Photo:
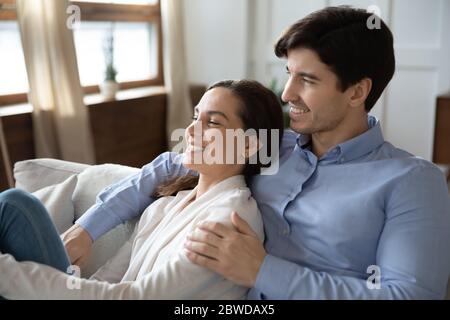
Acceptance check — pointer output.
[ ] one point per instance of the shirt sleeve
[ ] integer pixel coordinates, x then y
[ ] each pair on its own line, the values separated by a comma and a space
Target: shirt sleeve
129, 197
412, 255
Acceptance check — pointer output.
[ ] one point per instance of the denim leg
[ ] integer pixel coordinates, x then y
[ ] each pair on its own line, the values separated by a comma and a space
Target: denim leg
27, 231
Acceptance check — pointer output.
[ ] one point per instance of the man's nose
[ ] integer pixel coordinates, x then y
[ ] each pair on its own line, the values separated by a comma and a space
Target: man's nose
290, 92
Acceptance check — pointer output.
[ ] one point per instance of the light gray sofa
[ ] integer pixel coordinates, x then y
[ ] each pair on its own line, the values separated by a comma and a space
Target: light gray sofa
67, 190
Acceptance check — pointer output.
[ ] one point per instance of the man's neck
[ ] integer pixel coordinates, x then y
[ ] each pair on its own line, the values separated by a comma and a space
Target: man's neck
349, 128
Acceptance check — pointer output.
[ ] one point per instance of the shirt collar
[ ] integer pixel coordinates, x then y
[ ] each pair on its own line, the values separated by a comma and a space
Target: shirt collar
355, 147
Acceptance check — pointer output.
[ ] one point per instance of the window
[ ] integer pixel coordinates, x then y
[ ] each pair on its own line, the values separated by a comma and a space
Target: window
136, 27
13, 75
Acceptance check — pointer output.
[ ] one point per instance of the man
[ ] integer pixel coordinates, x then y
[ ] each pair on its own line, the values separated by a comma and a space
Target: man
348, 215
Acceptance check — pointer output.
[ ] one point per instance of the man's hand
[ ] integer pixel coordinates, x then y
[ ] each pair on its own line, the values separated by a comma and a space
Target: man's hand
78, 244
235, 254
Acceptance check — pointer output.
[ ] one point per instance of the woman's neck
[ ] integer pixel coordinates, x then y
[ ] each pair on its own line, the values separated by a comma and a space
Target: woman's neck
206, 182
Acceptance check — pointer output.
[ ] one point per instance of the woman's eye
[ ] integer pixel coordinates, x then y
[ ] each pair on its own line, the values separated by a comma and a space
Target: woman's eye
213, 123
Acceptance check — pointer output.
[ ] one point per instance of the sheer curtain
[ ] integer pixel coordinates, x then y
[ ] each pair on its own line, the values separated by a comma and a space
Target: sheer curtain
180, 108
60, 118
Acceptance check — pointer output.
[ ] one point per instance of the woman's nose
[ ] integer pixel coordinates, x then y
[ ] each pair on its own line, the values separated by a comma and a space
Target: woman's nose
195, 129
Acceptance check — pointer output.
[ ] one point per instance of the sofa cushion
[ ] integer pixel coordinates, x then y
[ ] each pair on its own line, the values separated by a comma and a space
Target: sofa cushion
32, 175
67, 190
57, 199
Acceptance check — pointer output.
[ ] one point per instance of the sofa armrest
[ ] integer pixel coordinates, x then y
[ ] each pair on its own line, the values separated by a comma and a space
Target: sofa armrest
35, 174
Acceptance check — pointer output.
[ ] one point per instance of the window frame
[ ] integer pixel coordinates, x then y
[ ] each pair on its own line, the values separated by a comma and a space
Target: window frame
103, 12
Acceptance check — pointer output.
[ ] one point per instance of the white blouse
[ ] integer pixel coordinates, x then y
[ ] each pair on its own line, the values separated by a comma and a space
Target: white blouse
152, 264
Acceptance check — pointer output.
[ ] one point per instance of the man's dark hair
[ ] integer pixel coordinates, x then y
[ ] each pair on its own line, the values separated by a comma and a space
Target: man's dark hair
342, 39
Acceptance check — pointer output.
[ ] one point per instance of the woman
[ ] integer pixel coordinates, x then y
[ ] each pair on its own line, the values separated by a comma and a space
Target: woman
152, 264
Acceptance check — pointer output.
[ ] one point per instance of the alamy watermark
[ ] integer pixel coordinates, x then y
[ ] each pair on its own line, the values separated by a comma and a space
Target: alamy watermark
374, 280
73, 21
236, 146
73, 282
374, 21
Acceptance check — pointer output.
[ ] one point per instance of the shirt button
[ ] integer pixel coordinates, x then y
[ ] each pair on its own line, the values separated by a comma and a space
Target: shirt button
285, 232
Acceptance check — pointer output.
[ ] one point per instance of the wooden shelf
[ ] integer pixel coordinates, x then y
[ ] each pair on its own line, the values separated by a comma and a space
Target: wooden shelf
441, 150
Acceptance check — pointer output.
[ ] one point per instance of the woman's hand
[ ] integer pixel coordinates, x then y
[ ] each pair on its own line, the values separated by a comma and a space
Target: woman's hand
236, 254
78, 244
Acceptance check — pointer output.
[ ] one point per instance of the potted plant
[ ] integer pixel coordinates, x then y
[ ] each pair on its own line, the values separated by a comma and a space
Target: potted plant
109, 86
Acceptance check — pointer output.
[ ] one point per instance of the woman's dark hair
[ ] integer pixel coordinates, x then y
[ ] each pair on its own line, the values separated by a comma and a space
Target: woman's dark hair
260, 109
347, 41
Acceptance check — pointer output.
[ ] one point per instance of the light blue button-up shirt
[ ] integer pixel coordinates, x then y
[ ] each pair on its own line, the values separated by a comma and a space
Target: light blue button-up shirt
365, 221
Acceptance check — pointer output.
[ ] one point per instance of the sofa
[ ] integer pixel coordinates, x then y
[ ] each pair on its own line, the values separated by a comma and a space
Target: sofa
68, 189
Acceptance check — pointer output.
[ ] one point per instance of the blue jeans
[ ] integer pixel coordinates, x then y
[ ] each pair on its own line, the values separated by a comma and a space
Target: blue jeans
27, 231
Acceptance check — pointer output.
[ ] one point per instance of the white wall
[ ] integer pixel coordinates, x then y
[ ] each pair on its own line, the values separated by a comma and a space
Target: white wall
423, 51
216, 34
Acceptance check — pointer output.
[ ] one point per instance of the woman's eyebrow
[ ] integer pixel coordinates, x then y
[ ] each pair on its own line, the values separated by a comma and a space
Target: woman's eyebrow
211, 113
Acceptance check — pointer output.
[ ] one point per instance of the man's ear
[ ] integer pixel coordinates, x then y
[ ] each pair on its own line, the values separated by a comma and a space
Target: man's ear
360, 91
252, 145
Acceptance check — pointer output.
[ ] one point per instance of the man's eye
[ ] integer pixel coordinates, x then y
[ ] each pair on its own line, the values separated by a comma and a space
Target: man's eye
195, 118
213, 123
307, 81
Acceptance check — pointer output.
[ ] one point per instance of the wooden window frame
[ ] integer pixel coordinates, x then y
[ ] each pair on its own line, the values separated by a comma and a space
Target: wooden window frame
96, 11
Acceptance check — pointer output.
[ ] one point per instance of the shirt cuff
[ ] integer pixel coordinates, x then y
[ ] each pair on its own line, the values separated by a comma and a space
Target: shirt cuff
275, 277
97, 221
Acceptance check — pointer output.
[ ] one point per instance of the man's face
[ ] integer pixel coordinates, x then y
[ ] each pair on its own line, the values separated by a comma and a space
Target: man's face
312, 91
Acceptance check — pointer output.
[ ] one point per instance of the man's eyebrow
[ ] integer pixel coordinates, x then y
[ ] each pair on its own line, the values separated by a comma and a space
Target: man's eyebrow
306, 75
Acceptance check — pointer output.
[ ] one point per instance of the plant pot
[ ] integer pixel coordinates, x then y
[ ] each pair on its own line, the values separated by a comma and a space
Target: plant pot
108, 89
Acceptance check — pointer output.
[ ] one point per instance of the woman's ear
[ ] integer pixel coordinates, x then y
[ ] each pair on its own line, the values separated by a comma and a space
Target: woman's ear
252, 145
360, 92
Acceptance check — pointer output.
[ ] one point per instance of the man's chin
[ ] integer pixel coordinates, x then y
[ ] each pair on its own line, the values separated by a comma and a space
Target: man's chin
300, 130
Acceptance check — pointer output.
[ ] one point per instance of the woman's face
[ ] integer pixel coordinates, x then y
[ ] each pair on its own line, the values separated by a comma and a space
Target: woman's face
212, 137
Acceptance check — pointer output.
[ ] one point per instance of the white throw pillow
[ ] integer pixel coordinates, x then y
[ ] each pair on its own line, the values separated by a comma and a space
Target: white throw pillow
35, 174
57, 199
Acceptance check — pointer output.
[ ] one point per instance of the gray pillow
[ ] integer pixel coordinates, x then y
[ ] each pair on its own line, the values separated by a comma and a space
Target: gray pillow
57, 199
32, 175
